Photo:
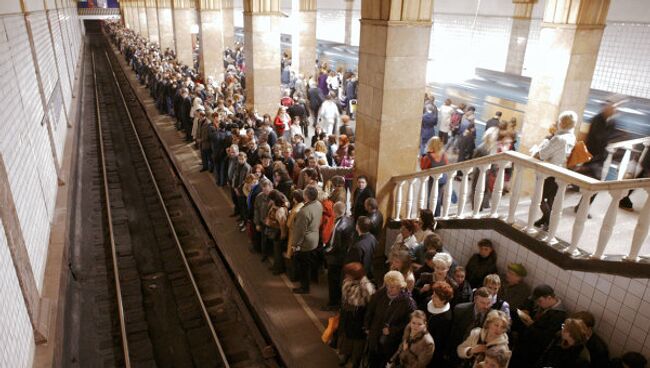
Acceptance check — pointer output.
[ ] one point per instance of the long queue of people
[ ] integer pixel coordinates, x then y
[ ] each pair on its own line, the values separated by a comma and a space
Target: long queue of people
408, 305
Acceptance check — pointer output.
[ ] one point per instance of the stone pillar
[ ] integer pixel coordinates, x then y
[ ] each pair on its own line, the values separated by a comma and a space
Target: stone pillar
519, 35
394, 36
349, 4
142, 17
211, 38
165, 24
262, 50
183, 21
570, 39
128, 12
135, 16
304, 55
228, 21
152, 20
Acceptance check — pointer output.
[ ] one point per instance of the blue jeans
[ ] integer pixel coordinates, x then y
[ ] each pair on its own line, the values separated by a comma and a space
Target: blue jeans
206, 159
220, 172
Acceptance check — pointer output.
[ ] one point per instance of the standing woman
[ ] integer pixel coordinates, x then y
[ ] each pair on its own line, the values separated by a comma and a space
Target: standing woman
298, 202
356, 293
555, 150
387, 316
276, 221
417, 345
439, 320
281, 123
435, 157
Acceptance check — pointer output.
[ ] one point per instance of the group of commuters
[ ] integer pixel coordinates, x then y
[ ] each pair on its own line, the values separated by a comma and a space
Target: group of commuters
409, 304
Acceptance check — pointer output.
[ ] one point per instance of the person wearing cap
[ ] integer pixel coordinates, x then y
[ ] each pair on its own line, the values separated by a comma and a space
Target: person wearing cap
539, 325
515, 291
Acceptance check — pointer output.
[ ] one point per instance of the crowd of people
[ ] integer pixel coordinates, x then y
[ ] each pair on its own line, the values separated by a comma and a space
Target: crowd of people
409, 304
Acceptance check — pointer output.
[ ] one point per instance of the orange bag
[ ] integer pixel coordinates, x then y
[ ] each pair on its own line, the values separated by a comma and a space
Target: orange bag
332, 326
579, 155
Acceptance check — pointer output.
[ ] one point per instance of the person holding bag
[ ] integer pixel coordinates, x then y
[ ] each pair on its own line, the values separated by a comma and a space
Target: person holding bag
417, 345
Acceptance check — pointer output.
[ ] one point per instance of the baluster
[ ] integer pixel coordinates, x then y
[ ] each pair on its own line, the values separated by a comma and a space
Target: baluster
398, 199
409, 198
498, 190
433, 196
640, 231
556, 213
607, 164
608, 223
479, 190
462, 196
622, 167
449, 188
533, 211
423, 194
579, 224
518, 172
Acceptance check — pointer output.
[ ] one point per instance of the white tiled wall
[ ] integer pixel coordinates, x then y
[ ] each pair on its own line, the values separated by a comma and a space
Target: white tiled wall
621, 305
16, 339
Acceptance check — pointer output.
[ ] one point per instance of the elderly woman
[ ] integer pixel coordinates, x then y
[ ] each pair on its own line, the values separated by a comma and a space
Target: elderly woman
356, 293
401, 261
405, 240
480, 339
439, 313
568, 349
555, 149
387, 316
417, 345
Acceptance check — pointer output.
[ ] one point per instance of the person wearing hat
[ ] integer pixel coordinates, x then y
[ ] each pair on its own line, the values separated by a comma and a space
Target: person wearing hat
539, 325
515, 291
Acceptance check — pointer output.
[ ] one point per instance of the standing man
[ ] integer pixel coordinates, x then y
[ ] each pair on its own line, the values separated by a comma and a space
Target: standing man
363, 250
328, 115
494, 121
335, 251
445, 121
306, 237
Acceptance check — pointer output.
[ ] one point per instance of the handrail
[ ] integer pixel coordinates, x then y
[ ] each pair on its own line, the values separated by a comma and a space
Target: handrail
628, 146
629, 143
517, 158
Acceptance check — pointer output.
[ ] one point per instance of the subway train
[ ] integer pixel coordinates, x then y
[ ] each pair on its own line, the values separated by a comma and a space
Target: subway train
490, 91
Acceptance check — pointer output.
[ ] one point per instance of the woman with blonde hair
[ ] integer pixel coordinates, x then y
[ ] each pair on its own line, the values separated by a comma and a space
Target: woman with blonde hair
435, 157
320, 151
555, 149
417, 345
387, 316
480, 339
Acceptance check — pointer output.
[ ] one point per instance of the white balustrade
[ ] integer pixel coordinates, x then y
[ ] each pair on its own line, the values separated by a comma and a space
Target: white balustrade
448, 192
409, 198
533, 211
579, 223
497, 192
607, 164
423, 194
462, 195
556, 213
640, 231
433, 196
398, 200
518, 172
609, 221
622, 167
479, 190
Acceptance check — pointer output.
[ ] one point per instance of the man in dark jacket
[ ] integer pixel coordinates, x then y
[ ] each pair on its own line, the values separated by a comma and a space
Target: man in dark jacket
305, 234
221, 140
335, 252
359, 197
537, 328
494, 121
363, 249
598, 350
468, 316
375, 216
315, 99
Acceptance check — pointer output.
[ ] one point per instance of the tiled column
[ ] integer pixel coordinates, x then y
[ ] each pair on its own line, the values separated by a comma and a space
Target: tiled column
570, 39
165, 24
304, 55
211, 50
228, 20
349, 4
183, 21
142, 17
262, 50
519, 35
394, 34
152, 20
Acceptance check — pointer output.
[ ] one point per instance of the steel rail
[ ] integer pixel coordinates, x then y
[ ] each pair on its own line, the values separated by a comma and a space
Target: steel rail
169, 220
109, 215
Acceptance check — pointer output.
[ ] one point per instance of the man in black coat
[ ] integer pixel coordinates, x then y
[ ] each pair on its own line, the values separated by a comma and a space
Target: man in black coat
363, 249
598, 350
335, 252
468, 316
359, 197
539, 326
375, 216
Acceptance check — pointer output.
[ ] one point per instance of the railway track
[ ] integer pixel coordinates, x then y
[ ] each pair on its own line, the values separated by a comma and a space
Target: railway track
175, 301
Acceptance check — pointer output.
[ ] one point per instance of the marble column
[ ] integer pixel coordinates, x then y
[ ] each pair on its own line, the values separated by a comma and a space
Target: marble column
519, 35
394, 38
142, 17
571, 34
228, 21
152, 20
349, 5
183, 14
165, 24
210, 29
304, 56
262, 50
